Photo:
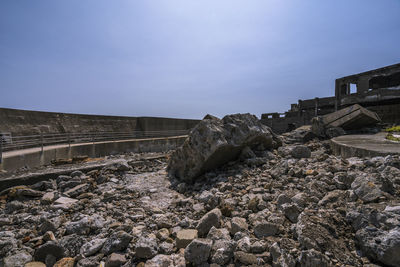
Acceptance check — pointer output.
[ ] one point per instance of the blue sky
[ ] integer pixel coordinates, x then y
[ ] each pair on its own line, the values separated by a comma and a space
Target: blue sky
186, 58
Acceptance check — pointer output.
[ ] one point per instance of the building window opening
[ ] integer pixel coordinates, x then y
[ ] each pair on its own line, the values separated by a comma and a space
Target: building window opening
353, 88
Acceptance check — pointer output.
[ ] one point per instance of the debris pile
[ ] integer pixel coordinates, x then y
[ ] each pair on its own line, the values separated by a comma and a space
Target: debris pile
296, 205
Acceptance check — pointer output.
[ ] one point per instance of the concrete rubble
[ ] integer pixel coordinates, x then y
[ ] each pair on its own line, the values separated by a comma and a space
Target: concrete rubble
336, 123
214, 142
296, 205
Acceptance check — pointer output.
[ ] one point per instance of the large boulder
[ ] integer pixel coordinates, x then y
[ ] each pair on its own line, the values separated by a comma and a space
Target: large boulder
214, 142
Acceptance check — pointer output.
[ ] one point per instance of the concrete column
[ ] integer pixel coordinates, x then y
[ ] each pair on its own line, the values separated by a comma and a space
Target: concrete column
363, 85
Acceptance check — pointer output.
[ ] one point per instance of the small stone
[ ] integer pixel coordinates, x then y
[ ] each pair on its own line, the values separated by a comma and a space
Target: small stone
366, 189
17, 259
300, 151
246, 258
115, 260
198, 251
282, 199
77, 190
81, 227
166, 248
116, 242
218, 233
222, 251
291, 211
49, 236
212, 218
163, 234
264, 229
313, 258
65, 262
159, 261
64, 202
35, 264
92, 247
49, 249
184, 237
48, 198
253, 204
146, 247
238, 225
76, 173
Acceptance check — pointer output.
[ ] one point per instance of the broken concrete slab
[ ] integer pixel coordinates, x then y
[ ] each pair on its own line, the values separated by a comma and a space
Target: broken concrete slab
350, 118
214, 142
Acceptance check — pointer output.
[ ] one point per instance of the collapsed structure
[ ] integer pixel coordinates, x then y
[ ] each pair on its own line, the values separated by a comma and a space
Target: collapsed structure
377, 90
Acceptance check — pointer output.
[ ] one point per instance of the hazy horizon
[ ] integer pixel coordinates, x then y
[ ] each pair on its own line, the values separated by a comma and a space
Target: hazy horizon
185, 59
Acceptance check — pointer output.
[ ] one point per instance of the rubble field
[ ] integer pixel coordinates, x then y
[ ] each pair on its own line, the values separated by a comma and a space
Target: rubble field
292, 205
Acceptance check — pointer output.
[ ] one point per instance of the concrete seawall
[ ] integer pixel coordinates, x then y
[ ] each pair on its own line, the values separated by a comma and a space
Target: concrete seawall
27, 122
35, 157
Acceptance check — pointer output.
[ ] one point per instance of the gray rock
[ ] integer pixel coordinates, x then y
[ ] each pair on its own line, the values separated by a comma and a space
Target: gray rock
382, 246
214, 142
49, 250
48, 197
210, 219
49, 225
300, 151
282, 199
120, 165
65, 185
77, 190
63, 178
76, 173
146, 247
264, 229
64, 202
246, 258
115, 260
238, 225
92, 247
313, 258
81, 227
291, 211
184, 237
166, 248
93, 261
281, 257
222, 251
198, 251
72, 244
244, 244
160, 261
7, 242
118, 241
18, 258
13, 206
366, 189
218, 233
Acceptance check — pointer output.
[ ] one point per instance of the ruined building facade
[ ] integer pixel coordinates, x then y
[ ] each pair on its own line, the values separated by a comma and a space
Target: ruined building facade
378, 90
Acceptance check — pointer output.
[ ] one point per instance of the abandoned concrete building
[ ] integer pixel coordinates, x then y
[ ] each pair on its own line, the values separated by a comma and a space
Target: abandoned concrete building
378, 90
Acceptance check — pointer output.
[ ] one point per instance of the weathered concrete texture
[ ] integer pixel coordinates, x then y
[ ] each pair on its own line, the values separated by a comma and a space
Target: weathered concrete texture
27, 122
364, 146
33, 157
377, 90
350, 118
214, 142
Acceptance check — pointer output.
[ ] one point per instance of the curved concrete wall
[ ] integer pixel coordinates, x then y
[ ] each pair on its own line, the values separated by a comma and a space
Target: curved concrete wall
26, 122
35, 157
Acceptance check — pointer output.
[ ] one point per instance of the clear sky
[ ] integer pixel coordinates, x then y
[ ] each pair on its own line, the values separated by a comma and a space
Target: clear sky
187, 58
